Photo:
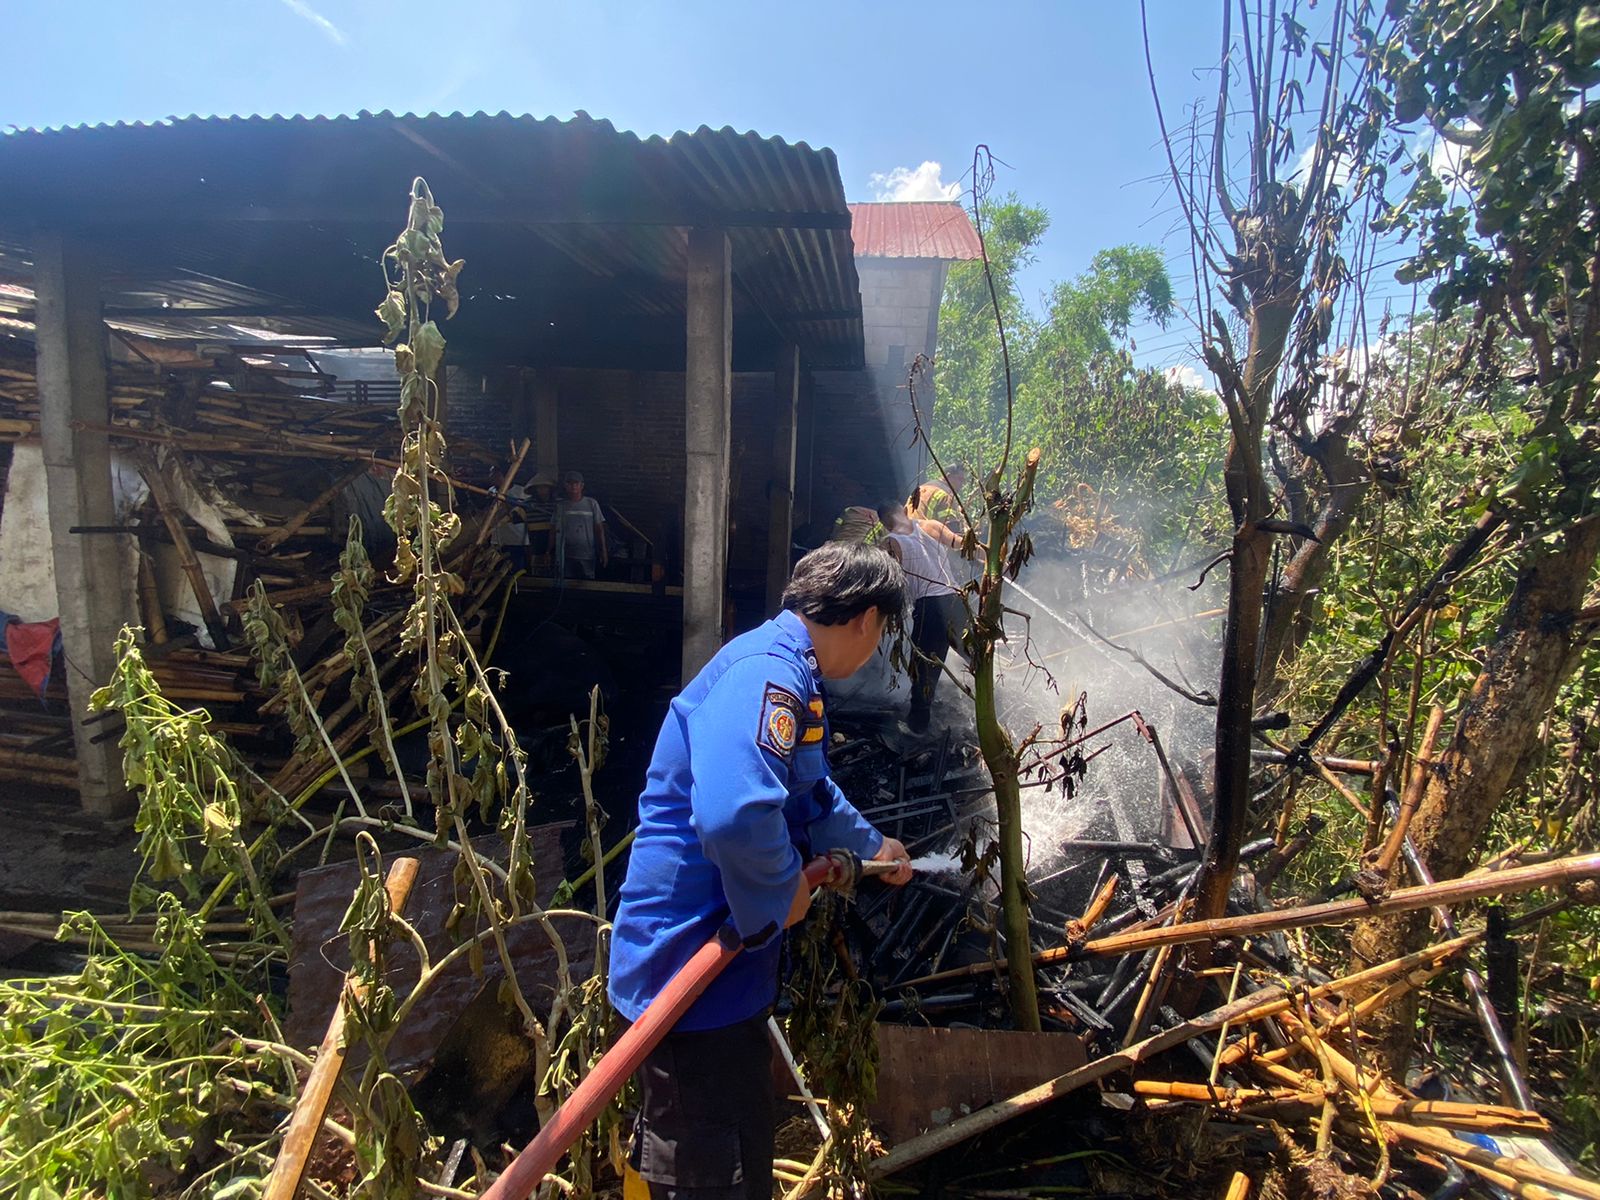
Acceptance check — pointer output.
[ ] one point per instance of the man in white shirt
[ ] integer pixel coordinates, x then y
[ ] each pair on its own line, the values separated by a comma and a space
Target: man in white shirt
581, 527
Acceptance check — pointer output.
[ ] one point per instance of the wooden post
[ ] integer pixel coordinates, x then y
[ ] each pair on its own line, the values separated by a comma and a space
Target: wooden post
708, 384
90, 588
780, 506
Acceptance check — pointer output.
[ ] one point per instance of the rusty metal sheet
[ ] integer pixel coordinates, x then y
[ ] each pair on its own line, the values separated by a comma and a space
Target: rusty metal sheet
320, 954
914, 229
929, 1077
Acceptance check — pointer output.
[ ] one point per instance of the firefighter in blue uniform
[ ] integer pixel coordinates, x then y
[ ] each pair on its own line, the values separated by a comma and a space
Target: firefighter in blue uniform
738, 795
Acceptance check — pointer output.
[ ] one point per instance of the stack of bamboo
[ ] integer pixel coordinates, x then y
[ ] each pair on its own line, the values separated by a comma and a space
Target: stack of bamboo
280, 445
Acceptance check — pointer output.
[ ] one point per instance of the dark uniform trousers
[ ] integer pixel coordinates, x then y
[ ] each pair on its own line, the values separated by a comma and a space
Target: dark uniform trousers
707, 1115
936, 624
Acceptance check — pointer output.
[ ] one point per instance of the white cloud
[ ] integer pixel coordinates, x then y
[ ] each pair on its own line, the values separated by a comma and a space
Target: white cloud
1447, 159
301, 9
1186, 376
908, 183
1302, 168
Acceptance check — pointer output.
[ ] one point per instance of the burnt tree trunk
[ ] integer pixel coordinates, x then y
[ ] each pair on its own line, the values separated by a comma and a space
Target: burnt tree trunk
1536, 646
1287, 623
1250, 556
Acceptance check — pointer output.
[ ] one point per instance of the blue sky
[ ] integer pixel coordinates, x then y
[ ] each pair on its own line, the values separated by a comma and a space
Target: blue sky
1057, 90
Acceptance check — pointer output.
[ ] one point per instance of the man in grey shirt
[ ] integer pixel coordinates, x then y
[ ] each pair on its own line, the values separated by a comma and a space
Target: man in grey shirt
581, 526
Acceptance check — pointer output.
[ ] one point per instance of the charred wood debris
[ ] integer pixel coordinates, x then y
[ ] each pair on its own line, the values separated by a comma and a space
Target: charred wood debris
1272, 1071
1271, 1083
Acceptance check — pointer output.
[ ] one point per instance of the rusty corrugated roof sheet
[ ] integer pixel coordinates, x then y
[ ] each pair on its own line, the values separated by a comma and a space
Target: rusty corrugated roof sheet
573, 231
914, 229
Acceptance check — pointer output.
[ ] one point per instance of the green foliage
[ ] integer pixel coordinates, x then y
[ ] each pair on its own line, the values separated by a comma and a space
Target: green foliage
107, 1076
1142, 442
831, 1032
1506, 222
1444, 429
191, 805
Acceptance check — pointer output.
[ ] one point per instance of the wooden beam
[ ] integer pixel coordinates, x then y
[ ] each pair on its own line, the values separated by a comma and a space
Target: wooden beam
172, 516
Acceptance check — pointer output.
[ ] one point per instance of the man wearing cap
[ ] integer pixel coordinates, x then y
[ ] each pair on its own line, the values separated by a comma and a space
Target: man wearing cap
539, 509
511, 535
580, 528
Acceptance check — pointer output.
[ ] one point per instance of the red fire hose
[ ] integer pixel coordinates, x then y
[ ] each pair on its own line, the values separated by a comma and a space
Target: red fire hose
622, 1060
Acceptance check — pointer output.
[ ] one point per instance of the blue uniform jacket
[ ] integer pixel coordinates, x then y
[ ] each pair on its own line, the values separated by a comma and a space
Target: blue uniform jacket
738, 790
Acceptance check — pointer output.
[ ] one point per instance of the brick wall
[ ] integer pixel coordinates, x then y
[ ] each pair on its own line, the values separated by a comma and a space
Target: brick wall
490, 407
899, 302
625, 431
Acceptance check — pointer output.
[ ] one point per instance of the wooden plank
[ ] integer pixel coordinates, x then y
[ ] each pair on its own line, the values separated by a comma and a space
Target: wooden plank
928, 1076
306, 1120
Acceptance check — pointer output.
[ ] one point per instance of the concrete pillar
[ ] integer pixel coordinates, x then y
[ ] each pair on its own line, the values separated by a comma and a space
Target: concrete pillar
780, 495
546, 444
72, 388
708, 394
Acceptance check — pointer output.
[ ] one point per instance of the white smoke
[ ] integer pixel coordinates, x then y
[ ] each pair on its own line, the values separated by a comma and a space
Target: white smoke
1052, 657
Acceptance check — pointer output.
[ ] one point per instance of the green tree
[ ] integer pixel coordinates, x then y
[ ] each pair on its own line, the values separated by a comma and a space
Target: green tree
1507, 220
1101, 420
1276, 263
969, 416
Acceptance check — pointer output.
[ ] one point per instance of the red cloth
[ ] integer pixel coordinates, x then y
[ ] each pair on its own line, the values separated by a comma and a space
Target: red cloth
31, 645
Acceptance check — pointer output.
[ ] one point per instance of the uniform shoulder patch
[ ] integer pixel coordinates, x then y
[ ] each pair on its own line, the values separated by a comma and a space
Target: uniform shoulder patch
780, 720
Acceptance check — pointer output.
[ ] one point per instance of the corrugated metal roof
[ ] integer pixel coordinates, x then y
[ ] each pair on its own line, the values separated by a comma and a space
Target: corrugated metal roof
573, 231
914, 229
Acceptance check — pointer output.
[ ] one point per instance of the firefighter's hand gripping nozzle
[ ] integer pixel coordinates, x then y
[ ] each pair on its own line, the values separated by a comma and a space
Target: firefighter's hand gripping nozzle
844, 870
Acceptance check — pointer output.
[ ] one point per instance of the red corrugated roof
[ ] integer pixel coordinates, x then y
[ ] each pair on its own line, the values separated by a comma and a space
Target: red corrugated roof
913, 230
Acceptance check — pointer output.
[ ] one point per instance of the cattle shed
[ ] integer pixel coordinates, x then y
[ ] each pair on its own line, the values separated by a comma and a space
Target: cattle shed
680, 318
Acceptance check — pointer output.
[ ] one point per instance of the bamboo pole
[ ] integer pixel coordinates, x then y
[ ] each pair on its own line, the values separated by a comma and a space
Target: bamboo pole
1511, 1078
297, 522
155, 620
1467, 1153
306, 1119
1416, 784
293, 446
1454, 891
1079, 929
497, 508
1238, 1187
45, 764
